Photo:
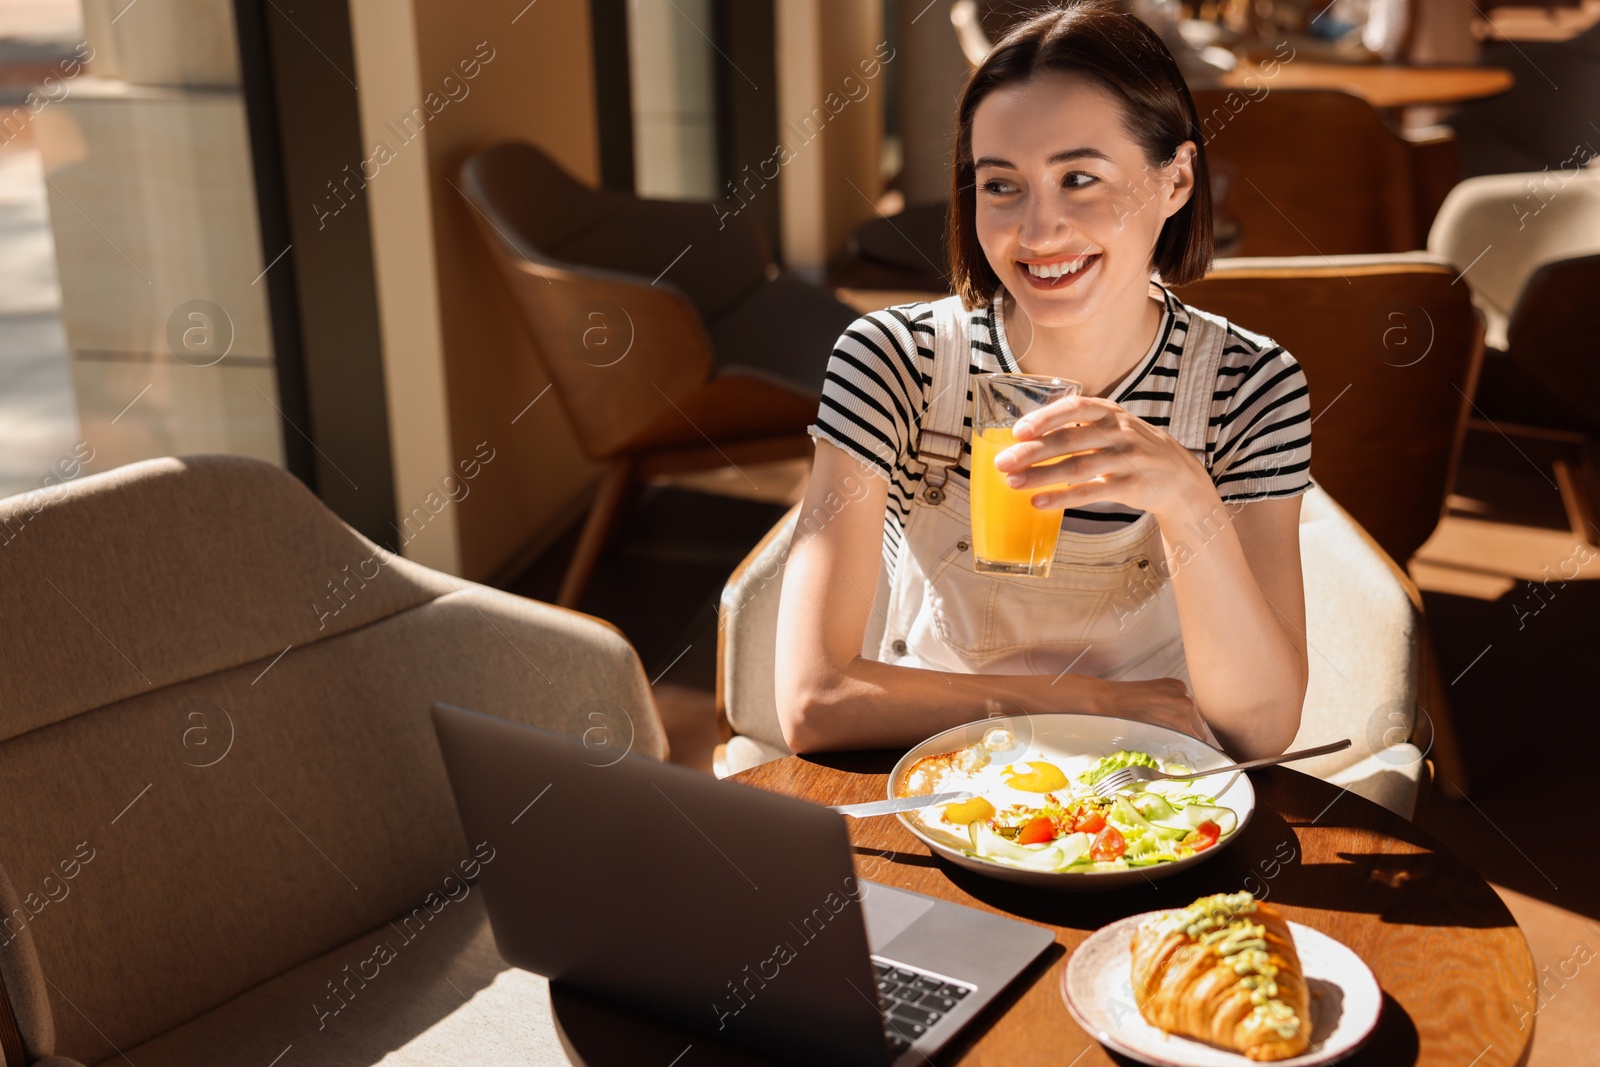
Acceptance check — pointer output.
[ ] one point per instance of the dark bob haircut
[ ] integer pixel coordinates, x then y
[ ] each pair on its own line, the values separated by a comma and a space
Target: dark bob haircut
1097, 40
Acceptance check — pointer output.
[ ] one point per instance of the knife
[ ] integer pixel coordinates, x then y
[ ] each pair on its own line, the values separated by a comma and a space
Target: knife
889, 807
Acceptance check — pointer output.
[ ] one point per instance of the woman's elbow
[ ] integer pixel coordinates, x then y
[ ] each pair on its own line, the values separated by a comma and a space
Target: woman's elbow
803, 718
797, 719
1286, 725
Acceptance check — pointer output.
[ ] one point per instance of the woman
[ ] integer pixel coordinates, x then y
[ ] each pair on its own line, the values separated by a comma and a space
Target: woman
1176, 595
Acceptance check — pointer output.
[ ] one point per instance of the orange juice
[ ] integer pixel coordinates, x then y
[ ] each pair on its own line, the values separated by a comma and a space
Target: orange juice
1008, 532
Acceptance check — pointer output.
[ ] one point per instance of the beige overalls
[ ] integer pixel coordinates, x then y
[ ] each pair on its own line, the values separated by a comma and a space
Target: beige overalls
1106, 608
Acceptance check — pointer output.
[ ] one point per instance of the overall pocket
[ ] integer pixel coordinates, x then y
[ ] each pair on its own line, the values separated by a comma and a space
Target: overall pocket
986, 615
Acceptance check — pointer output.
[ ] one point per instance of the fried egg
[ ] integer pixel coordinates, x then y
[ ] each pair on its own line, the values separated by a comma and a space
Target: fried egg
1029, 782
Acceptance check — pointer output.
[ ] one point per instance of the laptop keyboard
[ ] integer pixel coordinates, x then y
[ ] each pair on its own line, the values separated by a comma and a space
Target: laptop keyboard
912, 1001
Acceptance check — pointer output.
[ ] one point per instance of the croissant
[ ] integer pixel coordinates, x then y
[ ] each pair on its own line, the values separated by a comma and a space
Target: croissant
1224, 971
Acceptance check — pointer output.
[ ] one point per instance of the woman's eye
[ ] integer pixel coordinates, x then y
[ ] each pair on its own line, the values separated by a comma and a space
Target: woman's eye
1079, 179
996, 187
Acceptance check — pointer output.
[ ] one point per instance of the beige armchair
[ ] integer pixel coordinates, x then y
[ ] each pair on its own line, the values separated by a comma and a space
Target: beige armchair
1363, 625
230, 838
1500, 228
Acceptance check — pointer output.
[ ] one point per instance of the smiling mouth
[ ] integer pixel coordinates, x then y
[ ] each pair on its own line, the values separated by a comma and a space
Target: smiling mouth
1059, 273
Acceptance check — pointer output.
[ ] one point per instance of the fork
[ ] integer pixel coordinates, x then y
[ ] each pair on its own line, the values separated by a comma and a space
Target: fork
1113, 783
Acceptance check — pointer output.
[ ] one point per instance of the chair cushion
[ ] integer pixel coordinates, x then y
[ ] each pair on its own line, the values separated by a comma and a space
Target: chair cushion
422, 992
784, 332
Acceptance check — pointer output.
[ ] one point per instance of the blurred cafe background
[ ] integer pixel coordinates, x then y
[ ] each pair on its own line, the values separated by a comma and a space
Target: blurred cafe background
387, 245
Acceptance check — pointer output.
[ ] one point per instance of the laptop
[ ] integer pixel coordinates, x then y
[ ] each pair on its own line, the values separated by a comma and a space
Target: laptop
712, 904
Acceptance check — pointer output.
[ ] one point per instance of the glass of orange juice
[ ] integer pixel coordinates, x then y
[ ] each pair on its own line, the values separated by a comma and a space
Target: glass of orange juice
1009, 534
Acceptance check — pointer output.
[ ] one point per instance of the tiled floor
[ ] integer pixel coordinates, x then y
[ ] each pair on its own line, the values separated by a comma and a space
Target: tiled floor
1518, 662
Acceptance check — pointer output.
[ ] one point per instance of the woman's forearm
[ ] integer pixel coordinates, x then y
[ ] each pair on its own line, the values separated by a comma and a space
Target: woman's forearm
868, 704
1246, 657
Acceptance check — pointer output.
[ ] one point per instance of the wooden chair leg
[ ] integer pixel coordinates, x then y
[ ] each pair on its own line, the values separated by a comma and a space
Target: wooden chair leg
1443, 744
614, 485
1579, 479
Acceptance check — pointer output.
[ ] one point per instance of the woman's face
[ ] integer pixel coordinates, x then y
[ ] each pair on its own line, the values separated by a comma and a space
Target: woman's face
1068, 207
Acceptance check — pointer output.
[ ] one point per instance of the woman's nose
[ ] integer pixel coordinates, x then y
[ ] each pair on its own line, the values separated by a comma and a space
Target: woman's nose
1045, 227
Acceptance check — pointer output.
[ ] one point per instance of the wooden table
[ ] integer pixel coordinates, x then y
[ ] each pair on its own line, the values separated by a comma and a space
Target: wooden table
1456, 972
1381, 86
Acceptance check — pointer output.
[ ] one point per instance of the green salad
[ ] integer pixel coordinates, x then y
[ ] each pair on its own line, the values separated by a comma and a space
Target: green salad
1145, 824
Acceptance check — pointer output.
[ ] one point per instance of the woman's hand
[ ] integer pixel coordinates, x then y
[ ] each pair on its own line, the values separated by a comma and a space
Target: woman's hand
1111, 454
1159, 701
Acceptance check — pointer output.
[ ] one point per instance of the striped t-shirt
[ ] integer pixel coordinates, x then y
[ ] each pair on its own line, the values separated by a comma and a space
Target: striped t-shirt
873, 398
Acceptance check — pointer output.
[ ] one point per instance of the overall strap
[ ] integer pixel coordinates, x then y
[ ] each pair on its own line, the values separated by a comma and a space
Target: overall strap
1197, 380
939, 436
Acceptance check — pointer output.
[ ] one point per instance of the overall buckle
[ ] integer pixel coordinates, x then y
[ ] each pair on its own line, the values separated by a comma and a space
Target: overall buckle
943, 455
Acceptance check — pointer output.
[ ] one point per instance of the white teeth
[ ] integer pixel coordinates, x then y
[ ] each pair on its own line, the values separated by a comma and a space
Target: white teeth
1056, 270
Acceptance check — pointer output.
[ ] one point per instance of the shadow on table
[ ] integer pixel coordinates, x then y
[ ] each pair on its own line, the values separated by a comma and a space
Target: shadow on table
597, 1032
912, 859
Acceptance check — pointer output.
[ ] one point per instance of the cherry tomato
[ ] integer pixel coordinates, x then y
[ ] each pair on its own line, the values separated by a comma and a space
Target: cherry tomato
1202, 837
1108, 845
1091, 823
1039, 828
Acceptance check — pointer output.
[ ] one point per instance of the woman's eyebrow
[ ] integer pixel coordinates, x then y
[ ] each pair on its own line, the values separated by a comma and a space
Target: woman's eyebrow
1066, 156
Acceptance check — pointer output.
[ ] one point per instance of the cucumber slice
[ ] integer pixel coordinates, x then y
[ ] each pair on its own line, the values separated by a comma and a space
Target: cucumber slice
991, 846
1154, 806
1125, 817
1150, 859
1190, 817
1074, 849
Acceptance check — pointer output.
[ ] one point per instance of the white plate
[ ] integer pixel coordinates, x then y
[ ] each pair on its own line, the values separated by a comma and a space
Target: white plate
1097, 985
1074, 743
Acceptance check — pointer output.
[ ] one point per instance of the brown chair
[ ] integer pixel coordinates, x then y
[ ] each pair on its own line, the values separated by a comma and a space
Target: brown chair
1319, 172
671, 341
229, 829
1391, 351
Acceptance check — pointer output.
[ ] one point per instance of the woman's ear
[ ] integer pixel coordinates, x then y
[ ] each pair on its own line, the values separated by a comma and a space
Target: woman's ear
1181, 173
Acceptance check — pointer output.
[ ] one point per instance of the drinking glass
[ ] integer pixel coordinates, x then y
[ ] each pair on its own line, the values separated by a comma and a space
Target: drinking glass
1009, 534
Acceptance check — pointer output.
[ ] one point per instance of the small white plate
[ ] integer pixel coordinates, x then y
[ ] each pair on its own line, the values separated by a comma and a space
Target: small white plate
1075, 743
1097, 985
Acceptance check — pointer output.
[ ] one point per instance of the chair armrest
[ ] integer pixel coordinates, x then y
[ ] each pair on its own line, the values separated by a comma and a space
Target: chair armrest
586, 679
747, 638
1363, 635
